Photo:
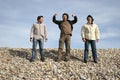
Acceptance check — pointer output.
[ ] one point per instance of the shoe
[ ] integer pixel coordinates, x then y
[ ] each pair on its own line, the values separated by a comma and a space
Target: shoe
85, 61
43, 59
95, 61
66, 60
31, 60
58, 59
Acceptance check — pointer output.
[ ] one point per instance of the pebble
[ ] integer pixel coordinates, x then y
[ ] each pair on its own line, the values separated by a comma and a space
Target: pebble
15, 65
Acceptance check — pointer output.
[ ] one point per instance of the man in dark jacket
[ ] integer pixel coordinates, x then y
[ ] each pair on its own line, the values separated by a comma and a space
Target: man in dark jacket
66, 27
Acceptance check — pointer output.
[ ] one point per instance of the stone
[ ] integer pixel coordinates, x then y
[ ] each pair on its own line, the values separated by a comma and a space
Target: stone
15, 65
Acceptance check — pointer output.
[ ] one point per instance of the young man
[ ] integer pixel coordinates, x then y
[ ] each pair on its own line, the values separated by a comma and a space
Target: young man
38, 34
65, 27
90, 34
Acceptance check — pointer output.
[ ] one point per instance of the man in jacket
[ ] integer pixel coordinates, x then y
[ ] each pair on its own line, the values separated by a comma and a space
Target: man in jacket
38, 34
66, 27
90, 34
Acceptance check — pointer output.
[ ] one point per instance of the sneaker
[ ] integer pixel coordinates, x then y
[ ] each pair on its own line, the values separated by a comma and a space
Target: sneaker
66, 59
58, 59
95, 61
85, 61
43, 59
31, 60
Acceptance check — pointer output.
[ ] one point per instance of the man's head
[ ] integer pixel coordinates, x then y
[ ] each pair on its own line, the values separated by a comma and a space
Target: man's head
65, 16
40, 19
90, 19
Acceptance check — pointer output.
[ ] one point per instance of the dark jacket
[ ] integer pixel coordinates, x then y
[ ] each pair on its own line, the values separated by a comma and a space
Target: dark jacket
59, 22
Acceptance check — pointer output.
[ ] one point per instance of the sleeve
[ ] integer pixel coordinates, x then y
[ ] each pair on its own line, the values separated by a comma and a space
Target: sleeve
56, 21
45, 32
83, 32
75, 20
31, 33
97, 33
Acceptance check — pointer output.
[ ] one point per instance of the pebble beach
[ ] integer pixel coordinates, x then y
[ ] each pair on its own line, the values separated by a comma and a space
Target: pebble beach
15, 65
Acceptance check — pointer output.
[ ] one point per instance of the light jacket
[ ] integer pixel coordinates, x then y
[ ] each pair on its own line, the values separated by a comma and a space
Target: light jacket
90, 32
38, 31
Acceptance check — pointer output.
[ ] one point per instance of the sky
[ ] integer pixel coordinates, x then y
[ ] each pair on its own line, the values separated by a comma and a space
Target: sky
18, 16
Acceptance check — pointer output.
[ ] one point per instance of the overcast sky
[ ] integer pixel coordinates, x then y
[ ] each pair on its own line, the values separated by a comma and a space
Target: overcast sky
18, 16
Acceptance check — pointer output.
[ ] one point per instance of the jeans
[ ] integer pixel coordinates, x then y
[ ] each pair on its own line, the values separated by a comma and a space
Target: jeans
41, 50
93, 46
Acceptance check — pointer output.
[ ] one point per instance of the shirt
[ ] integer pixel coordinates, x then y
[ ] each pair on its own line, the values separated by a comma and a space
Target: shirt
90, 32
38, 31
66, 27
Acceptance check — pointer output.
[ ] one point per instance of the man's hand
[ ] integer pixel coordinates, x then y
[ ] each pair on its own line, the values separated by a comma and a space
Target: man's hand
55, 14
73, 15
84, 40
97, 40
31, 39
46, 39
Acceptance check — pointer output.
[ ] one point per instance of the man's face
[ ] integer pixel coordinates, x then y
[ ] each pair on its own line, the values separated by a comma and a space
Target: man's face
89, 19
40, 20
65, 17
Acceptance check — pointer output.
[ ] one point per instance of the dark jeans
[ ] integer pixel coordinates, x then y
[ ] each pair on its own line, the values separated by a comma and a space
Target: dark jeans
93, 46
41, 50
64, 38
